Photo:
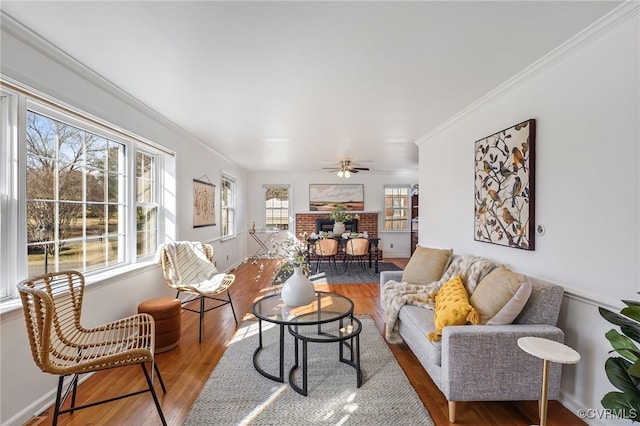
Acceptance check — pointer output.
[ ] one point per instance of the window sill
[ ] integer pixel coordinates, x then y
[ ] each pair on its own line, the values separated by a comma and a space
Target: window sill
102, 278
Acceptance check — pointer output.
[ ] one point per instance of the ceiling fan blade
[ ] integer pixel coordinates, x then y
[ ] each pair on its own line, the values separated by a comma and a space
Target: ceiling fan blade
360, 168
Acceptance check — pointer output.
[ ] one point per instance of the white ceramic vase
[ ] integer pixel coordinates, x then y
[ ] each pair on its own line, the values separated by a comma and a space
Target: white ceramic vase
338, 228
298, 290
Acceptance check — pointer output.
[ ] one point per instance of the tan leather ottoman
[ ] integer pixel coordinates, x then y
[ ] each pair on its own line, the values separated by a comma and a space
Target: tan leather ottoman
166, 314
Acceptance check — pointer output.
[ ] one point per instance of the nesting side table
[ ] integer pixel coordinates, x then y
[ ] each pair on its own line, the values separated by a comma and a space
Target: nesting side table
547, 350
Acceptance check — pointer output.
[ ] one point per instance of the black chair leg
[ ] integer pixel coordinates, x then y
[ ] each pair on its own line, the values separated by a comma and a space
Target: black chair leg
232, 309
153, 394
56, 410
201, 319
157, 370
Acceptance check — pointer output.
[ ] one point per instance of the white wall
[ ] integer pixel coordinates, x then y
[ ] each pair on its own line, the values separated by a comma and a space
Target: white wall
587, 105
393, 244
24, 390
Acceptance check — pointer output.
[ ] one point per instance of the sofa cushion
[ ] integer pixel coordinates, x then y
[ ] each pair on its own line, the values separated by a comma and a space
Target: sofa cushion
452, 307
426, 265
415, 323
500, 296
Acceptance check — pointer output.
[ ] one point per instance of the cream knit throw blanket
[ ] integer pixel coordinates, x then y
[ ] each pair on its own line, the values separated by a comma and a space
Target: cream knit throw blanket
397, 294
188, 263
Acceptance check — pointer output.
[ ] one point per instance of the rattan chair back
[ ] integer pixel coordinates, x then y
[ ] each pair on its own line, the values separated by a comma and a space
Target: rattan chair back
52, 306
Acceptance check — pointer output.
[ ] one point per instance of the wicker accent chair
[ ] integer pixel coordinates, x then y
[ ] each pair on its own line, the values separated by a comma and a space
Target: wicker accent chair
188, 268
60, 345
326, 249
358, 249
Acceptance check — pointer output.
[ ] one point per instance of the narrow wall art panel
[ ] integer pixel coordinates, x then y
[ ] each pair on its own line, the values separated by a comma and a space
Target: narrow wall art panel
504, 187
204, 211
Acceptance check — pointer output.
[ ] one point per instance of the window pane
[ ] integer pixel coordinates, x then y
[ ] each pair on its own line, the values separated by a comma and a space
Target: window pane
95, 217
70, 144
116, 155
41, 136
96, 185
396, 208
40, 178
97, 151
73, 226
112, 218
114, 185
147, 209
96, 253
277, 207
70, 256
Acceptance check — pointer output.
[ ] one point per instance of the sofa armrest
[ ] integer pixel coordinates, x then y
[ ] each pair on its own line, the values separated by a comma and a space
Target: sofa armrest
485, 363
384, 277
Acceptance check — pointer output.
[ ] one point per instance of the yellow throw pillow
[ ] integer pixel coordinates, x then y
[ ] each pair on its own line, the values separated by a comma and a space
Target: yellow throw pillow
426, 265
452, 307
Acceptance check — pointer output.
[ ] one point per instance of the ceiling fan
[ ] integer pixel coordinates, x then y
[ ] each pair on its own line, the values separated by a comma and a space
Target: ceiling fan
346, 169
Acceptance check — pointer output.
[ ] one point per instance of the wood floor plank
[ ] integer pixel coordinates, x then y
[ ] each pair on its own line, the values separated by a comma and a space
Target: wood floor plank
186, 368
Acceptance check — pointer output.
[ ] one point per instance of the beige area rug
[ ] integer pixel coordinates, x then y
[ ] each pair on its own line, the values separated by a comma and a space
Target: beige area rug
236, 394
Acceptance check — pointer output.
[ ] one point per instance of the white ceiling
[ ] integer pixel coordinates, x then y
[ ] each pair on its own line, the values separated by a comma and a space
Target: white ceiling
302, 85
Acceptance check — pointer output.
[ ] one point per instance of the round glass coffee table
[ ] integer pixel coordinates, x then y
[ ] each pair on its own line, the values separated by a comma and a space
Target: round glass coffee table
325, 308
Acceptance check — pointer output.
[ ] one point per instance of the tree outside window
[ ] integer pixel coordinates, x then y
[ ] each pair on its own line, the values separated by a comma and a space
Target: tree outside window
74, 197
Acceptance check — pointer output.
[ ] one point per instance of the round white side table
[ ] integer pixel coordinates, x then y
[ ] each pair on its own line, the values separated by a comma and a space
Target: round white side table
547, 350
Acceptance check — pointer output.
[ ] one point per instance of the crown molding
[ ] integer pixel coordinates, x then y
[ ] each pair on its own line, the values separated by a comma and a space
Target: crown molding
611, 20
13, 27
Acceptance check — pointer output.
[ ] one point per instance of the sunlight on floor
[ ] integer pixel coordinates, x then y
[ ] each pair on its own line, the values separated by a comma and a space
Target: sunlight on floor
250, 330
256, 411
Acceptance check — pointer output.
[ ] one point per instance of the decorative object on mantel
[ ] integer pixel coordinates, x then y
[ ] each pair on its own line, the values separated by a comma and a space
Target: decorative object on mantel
339, 215
327, 197
204, 212
504, 187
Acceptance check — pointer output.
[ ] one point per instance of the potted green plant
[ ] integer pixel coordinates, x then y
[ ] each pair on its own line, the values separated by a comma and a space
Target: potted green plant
623, 371
339, 215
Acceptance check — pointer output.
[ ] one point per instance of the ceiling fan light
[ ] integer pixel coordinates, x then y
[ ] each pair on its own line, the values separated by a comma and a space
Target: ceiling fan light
347, 175
340, 173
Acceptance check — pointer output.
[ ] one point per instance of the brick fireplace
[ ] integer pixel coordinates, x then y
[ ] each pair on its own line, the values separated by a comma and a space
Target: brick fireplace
306, 223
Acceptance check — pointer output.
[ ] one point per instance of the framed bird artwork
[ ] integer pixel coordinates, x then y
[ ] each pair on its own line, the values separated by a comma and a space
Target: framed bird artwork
504, 187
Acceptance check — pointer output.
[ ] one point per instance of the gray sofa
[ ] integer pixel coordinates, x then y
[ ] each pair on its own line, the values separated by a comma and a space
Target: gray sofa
484, 362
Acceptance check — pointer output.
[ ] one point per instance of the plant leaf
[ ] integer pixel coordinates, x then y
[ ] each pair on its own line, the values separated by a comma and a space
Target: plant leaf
631, 332
616, 369
631, 312
617, 319
622, 404
623, 345
634, 372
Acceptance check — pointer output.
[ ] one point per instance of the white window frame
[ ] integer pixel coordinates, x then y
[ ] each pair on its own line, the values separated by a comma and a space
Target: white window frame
407, 208
14, 102
266, 187
232, 208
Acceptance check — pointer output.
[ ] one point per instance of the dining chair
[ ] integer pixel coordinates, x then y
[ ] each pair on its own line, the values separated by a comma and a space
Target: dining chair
326, 248
188, 268
358, 249
60, 345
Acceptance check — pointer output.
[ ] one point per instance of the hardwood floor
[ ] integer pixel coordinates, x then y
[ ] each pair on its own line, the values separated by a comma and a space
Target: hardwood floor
186, 369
